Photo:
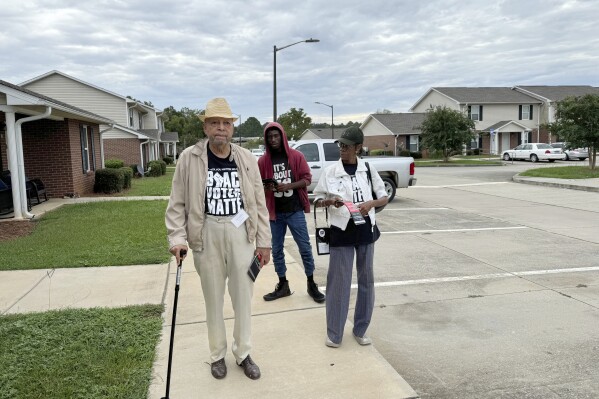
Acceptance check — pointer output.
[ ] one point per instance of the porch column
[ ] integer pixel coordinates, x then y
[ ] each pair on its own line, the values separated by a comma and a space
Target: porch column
11, 143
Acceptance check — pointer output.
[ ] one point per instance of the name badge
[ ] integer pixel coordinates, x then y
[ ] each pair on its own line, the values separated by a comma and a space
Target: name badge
241, 217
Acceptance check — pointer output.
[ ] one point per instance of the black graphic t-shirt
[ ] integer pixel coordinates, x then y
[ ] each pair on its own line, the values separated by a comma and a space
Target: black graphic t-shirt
223, 191
287, 201
353, 235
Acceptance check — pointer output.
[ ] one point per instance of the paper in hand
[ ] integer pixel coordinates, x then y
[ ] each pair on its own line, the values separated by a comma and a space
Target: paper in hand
355, 213
255, 267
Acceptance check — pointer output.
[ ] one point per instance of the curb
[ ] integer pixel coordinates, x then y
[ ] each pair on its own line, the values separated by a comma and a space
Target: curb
536, 182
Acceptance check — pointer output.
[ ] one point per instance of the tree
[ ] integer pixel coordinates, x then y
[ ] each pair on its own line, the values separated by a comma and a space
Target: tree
446, 130
295, 122
577, 123
186, 123
250, 128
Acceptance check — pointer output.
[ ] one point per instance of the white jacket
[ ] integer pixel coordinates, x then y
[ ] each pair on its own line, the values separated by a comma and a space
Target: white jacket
335, 182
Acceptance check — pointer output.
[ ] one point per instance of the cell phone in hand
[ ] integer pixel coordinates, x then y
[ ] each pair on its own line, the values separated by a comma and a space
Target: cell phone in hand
268, 181
255, 267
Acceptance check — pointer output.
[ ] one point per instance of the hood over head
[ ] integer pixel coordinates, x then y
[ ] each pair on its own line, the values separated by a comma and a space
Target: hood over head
284, 141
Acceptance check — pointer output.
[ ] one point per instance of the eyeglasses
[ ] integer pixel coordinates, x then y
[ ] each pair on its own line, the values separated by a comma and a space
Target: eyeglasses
344, 146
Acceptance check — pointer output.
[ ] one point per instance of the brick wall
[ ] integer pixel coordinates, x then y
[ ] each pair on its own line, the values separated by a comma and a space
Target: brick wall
378, 142
126, 150
52, 152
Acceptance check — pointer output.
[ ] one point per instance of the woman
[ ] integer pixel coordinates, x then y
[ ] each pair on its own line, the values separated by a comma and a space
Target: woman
349, 180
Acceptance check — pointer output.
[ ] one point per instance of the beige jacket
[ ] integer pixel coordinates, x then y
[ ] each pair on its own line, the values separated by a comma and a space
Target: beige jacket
185, 212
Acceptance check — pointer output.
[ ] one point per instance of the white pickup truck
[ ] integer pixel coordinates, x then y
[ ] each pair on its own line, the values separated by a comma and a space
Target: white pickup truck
396, 172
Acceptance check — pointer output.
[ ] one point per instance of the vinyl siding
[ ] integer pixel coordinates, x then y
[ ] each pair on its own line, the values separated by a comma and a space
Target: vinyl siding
434, 98
82, 96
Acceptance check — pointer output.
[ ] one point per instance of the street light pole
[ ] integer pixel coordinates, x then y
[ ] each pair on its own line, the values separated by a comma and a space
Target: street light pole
331, 107
274, 82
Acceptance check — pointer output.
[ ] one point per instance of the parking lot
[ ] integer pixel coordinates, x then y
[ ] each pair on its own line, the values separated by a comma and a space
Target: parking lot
487, 288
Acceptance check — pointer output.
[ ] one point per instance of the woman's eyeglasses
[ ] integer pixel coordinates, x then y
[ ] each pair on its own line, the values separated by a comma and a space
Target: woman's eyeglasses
344, 146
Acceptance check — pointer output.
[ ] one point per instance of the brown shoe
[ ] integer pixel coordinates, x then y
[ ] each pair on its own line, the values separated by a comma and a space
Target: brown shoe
250, 368
219, 369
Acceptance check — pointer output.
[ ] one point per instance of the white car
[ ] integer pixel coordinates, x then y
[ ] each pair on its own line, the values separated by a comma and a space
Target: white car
574, 153
534, 152
257, 152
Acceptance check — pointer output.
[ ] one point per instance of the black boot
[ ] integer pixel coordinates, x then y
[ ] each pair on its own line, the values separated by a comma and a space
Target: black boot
314, 293
281, 290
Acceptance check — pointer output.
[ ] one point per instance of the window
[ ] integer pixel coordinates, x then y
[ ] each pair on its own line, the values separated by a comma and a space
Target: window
141, 121
413, 142
331, 151
525, 112
310, 152
130, 117
475, 112
88, 157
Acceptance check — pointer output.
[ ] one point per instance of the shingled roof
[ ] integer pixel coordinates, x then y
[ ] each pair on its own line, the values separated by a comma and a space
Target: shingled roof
486, 95
558, 93
401, 123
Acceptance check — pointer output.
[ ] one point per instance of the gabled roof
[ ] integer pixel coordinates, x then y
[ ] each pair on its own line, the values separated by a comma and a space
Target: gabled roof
485, 95
557, 93
151, 133
55, 72
502, 124
399, 123
56, 104
325, 132
169, 137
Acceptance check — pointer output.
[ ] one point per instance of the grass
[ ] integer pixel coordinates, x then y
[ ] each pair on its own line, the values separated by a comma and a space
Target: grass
150, 186
90, 353
92, 234
563, 172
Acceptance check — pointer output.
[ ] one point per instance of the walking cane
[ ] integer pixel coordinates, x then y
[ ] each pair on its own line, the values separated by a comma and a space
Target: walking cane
182, 253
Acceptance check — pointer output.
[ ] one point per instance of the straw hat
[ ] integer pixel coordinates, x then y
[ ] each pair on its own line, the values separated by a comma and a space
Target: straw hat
217, 108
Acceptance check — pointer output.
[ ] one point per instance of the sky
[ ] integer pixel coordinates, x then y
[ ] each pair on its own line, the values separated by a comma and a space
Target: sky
372, 56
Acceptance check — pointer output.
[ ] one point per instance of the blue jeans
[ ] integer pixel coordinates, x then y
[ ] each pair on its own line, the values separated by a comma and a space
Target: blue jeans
296, 221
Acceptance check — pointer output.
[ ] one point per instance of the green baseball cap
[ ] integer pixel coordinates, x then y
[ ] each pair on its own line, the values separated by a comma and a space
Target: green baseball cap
352, 136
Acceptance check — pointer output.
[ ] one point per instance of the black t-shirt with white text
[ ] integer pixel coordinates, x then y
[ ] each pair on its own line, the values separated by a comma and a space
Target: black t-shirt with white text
287, 201
223, 191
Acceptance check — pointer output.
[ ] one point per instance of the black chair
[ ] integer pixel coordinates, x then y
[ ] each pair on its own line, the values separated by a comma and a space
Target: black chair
37, 188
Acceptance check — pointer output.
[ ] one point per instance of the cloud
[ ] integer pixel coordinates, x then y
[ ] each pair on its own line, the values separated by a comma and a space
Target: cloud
371, 55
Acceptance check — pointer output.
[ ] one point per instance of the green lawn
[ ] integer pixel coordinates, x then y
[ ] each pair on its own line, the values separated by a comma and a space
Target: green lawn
150, 186
92, 234
90, 353
563, 172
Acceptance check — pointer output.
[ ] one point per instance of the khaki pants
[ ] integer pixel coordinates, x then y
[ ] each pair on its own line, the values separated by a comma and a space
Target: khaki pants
227, 254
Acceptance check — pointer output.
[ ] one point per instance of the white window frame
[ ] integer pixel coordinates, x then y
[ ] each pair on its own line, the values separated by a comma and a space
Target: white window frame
526, 111
130, 117
472, 113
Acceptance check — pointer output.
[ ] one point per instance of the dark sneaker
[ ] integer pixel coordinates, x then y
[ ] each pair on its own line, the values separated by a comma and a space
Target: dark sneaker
314, 293
250, 368
281, 290
219, 369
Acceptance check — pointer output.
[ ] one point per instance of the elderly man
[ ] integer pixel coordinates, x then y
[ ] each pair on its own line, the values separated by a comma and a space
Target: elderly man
217, 207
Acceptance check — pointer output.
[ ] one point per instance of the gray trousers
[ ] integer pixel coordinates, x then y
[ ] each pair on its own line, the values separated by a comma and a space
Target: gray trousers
226, 257
341, 264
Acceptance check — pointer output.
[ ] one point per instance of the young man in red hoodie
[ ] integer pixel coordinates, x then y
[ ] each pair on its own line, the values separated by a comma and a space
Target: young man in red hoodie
287, 201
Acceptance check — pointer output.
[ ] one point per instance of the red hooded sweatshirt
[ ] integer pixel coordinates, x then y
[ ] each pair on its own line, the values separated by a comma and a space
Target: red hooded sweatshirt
299, 170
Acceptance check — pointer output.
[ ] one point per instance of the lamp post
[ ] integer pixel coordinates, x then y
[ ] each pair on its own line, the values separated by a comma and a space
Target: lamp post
274, 86
331, 107
238, 128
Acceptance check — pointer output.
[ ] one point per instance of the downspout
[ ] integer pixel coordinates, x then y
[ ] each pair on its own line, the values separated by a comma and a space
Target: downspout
141, 153
102, 142
20, 162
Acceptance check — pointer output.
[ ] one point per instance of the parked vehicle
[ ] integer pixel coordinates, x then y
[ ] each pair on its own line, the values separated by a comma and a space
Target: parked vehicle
572, 153
257, 152
534, 152
396, 172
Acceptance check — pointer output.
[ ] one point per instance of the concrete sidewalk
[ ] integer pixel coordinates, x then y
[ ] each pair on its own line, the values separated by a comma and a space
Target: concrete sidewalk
288, 334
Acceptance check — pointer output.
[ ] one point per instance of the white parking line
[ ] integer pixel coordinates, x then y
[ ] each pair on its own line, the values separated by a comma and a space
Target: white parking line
462, 185
415, 209
443, 231
482, 277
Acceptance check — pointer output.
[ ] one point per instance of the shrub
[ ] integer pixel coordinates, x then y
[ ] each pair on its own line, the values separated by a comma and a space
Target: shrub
379, 152
416, 154
168, 160
109, 181
114, 163
155, 169
128, 175
404, 153
476, 151
162, 167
